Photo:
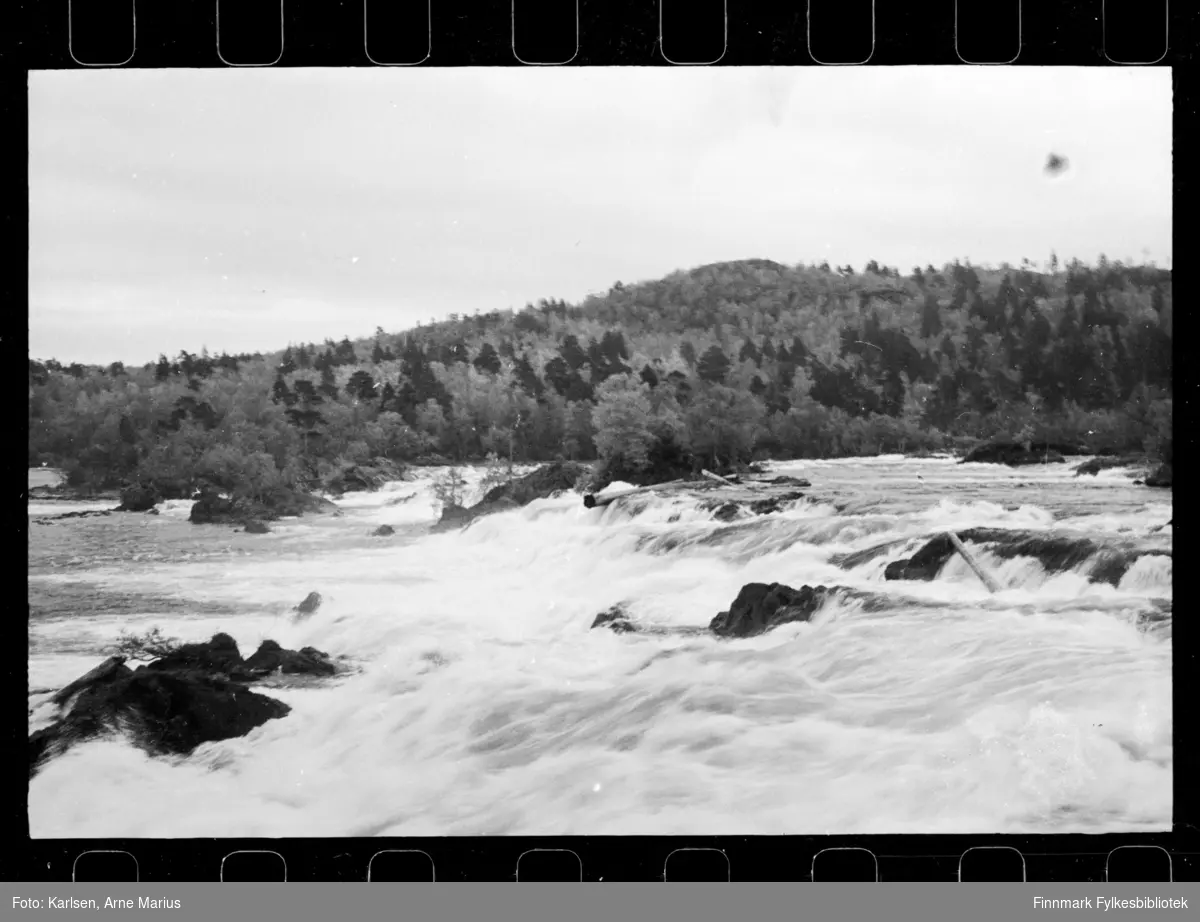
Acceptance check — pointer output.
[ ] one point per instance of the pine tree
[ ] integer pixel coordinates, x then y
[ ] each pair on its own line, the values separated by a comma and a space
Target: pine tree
713, 365
487, 361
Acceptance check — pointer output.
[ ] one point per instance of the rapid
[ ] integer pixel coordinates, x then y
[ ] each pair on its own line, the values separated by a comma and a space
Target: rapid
478, 702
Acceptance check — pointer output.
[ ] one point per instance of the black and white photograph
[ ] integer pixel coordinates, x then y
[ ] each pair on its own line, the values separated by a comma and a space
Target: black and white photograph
608, 451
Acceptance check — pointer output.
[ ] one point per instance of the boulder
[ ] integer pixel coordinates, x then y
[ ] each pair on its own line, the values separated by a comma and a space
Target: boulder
210, 507
774, 503
546, 481
162, 712
255, 527
726, 512
759, 607
271, 657
383, 531
1094, 466
355, 478
219, 656
311, 603
114, 665
1108, 562
138, 498
615, 619
195, 694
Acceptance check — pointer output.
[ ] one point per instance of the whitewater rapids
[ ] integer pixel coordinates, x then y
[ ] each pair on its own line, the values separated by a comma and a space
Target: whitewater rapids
480, 703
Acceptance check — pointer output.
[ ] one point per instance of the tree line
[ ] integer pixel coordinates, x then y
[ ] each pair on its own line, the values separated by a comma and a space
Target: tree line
721, 364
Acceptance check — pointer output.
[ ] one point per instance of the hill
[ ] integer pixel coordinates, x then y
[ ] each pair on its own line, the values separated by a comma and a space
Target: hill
716, 365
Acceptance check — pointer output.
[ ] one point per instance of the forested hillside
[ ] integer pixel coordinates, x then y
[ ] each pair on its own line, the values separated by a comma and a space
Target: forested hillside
723, 363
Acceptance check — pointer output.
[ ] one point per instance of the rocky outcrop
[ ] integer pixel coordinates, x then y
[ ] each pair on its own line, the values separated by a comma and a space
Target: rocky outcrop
546, 481
161, 712
759, 607
616, 619
1016, 454
138, 498
271, 657
774, 503
1056, 552
311, 603
1094, 466
255, 527
210, 507
383, 531
195, 694
726, 512
355, 478
729, 502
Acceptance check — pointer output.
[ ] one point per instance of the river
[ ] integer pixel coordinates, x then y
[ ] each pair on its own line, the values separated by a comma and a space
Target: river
478, 701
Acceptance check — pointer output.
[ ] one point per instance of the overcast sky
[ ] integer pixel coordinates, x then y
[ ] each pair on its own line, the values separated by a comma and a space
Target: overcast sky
248, 207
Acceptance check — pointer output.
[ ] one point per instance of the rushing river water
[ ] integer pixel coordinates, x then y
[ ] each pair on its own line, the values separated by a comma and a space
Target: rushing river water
481, 703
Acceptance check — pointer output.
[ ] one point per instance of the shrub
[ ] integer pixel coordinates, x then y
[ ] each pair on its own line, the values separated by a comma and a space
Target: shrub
450, 488
149, 645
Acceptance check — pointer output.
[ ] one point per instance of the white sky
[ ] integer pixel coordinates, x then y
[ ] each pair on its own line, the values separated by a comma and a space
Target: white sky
245, 208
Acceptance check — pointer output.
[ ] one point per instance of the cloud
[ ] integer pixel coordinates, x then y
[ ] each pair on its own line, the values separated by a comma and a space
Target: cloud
465, 189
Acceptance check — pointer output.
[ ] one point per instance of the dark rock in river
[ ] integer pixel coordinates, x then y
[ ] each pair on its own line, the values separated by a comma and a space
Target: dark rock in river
162, 712
255, 527
1094, 466
196, 694
219, 655
383, 531
1160, 476
138, 498
212, 508
352, 478
726, 512
615, 619
546, 481
270, 656
311, 603
1056, 553
1015, 454
773, 503
760, 607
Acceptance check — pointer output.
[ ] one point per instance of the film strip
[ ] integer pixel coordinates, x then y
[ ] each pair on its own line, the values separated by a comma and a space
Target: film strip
108, 34
288, 33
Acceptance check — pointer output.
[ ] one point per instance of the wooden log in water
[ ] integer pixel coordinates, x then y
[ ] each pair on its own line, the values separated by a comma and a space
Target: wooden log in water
987, 580
592, 500
718, 478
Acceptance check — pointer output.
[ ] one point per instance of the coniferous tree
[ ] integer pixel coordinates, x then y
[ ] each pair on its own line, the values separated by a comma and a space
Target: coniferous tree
487, 361
713, 365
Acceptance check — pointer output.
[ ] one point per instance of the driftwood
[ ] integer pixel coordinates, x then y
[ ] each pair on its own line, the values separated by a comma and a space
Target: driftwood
718, 478
987, 580
592, 500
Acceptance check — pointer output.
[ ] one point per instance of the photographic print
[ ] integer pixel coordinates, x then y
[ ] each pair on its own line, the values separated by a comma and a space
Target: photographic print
610, 451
